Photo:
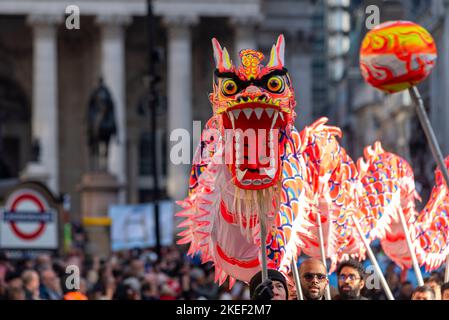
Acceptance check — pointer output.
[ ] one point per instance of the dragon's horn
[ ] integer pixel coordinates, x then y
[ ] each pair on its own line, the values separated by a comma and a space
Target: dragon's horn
277, 54
222, 60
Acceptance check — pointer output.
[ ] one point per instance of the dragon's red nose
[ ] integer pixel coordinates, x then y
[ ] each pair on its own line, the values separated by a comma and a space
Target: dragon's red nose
251, 91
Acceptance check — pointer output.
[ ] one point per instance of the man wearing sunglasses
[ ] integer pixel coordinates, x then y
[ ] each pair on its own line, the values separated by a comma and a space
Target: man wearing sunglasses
350, 280
313, 278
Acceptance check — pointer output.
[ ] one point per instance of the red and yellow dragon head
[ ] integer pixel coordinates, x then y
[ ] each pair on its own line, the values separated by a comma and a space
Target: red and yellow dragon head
255, 104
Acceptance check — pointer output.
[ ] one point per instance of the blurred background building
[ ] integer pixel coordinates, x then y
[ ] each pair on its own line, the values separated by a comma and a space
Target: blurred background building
47, 73
367, 115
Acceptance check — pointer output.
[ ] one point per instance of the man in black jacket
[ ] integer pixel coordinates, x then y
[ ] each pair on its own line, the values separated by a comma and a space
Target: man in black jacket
274, 288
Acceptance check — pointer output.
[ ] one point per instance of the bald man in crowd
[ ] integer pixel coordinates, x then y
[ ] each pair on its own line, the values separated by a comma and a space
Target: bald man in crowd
313, 276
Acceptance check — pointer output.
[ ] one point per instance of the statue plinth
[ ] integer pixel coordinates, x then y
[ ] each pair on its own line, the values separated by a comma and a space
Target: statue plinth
98, 191
35, 171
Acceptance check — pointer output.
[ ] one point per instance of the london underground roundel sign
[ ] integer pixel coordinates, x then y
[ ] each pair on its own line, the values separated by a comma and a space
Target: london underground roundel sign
28, 221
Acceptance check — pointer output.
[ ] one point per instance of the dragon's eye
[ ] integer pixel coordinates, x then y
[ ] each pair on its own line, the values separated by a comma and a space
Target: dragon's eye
275, 84
229, 87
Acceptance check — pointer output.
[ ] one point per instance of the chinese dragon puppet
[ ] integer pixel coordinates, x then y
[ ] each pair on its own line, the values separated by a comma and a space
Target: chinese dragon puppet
254, 167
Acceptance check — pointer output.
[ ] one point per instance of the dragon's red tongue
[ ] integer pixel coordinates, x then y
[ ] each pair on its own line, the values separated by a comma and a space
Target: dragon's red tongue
253, 129
253, 116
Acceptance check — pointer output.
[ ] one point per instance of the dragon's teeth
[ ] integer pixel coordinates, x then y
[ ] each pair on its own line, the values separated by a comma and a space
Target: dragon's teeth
246, 182
258, 112
248, 113
271, 173
236, 113
240, 174
282, 115
231, 116
269, 112
268, 171
274, 119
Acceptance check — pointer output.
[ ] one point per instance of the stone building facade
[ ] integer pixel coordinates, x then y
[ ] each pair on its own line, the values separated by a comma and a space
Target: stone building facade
368, 115
47, 73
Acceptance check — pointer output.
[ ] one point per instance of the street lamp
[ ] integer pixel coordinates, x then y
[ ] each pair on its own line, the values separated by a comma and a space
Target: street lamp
152, 106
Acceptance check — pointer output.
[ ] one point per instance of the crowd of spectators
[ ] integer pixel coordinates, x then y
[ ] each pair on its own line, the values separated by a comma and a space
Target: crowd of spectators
127, 275
140, 275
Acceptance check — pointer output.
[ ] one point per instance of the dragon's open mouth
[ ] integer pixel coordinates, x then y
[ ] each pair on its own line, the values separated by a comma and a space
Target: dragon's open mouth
253, 127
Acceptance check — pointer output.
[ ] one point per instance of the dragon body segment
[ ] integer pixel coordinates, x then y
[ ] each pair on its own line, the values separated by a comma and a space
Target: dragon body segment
253, 167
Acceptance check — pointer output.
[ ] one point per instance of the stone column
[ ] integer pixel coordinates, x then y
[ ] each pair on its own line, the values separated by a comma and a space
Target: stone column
45, 166
179, 48
439, 82
402, 121
300, 67
112, 53
245, 36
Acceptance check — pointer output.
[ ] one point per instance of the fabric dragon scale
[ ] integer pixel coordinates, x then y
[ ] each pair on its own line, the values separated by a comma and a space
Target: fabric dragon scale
253, 167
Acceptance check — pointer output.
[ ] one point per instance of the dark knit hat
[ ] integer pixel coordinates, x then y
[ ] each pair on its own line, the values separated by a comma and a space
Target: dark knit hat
273, 275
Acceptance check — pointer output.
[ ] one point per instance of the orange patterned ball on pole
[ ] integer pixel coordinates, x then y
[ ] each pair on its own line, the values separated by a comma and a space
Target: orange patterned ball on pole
397, 55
